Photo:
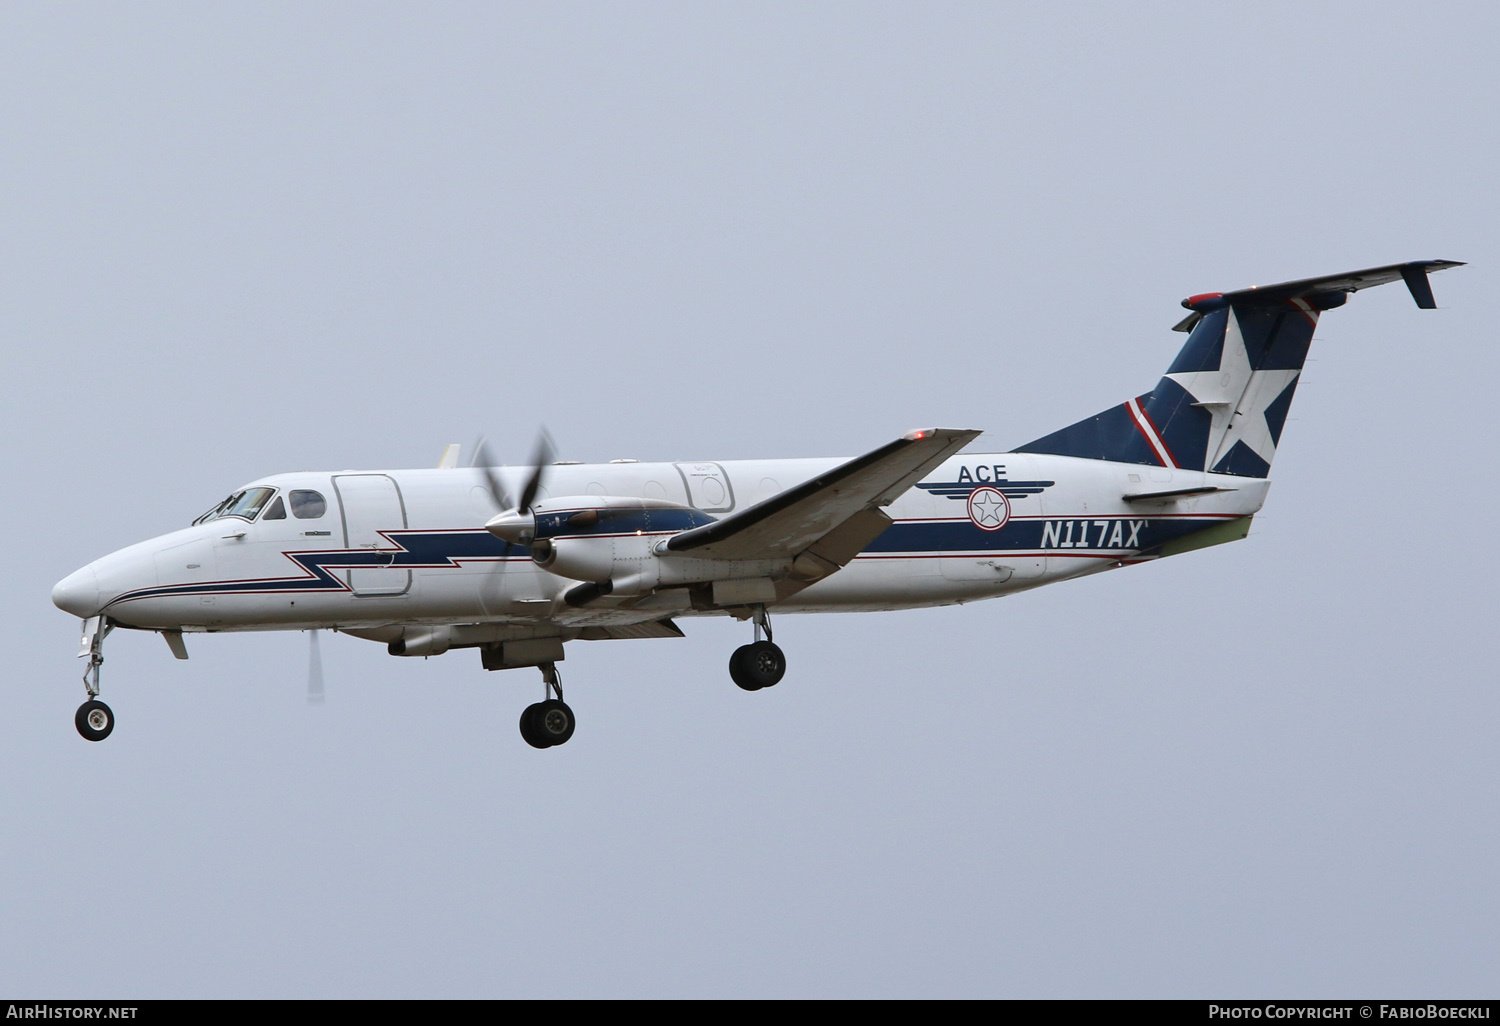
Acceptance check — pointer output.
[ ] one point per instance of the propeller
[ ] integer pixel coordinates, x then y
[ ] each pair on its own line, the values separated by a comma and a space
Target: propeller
314, 670
541, 459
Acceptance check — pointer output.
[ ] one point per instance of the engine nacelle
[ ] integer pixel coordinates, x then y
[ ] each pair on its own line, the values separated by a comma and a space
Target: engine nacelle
421, 641
597, 538
585, 558
616, 546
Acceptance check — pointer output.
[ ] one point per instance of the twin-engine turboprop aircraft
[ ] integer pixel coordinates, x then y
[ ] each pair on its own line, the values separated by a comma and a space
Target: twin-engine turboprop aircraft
518, 562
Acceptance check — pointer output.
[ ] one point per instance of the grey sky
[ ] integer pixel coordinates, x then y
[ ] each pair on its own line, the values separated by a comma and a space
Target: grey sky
279, 237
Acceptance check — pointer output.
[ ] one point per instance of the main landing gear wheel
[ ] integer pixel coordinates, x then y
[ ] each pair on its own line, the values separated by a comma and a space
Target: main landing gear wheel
94, 720
758, 665
548, 723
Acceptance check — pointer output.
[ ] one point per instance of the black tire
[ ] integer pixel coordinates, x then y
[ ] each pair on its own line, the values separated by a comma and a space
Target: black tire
553, 722
94, 720
766, 663
761, 665
529, 732
738, 671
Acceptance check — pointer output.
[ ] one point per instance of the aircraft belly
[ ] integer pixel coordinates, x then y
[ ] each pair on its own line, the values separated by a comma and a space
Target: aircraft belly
890, 583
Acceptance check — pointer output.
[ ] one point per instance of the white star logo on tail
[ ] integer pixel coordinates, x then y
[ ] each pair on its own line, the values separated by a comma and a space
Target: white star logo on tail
1237, 397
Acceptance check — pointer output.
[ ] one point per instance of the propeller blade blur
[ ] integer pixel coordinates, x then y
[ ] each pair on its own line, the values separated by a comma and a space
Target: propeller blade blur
314, 671
486, 466
540, 461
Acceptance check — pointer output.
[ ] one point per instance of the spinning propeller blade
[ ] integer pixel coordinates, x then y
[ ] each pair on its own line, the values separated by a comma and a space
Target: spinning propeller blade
486, 467
541, 458
540, 461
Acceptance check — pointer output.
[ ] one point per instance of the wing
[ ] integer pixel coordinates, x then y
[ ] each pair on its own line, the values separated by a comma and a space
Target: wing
839, 507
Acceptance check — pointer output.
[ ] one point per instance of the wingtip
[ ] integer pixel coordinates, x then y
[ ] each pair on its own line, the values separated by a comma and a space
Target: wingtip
917, 434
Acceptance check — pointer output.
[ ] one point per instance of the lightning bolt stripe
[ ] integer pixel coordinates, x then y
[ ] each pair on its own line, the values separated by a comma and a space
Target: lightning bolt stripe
412, 550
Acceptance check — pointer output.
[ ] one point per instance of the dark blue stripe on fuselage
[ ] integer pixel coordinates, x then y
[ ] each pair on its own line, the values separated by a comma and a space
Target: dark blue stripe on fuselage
1059, 533
626, 520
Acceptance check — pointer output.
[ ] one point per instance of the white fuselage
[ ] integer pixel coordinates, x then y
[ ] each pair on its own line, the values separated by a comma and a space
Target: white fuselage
408, 547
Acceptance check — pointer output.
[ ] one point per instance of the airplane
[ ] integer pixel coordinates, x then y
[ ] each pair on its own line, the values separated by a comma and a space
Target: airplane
518, 562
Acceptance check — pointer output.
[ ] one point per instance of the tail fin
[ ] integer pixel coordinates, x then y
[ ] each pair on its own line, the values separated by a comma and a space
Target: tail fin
1224, 400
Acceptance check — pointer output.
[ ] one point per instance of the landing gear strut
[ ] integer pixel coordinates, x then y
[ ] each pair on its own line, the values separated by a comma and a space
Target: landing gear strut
760, 664
549, 722
94, 719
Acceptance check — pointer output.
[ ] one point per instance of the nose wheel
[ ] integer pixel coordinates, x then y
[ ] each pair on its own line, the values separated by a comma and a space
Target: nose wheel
550, 722
760, 664
94, 720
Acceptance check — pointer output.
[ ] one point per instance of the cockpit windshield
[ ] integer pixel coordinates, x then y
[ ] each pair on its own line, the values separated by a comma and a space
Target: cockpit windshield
245, 505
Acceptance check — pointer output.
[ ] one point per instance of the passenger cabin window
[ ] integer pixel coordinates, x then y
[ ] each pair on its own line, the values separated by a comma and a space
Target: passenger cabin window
307, 504
277, 511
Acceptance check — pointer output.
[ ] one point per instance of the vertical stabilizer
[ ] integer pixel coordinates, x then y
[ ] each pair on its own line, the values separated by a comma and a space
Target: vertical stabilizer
1223, 402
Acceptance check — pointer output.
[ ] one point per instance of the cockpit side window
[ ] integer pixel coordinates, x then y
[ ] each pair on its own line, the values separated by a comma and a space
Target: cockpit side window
246, 505
307, 504
276, 511
249, 504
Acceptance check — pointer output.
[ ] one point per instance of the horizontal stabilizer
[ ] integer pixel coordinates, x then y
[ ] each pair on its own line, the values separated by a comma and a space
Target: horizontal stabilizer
1322, 293
1174, 493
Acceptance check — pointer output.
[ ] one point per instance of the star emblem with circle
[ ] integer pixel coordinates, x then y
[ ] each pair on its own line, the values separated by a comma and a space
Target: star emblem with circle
988, 508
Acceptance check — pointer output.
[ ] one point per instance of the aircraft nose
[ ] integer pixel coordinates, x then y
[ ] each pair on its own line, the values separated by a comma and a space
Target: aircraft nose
78, 593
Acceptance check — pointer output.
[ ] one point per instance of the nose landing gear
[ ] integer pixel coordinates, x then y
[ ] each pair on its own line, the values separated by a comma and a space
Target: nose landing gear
760, 664
550, 722
94, 719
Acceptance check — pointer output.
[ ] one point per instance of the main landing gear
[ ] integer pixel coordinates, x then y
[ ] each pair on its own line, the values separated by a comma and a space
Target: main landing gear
94, 719
549, 722
760, 664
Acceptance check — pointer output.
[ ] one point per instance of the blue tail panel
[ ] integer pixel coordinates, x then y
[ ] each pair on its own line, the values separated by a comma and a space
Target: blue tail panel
1223, 403
1183, 427
1110, 435
1242, 461
1204, 348
1277, 411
